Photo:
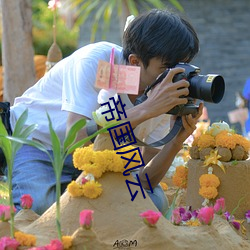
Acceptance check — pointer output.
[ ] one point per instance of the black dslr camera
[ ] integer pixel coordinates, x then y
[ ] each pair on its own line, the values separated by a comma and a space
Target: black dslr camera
209, 88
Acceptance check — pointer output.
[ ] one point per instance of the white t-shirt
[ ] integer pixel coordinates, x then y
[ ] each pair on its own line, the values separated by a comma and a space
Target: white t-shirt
69, 86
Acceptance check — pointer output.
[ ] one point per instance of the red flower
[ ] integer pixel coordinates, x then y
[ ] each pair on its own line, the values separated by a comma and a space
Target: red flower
26, 201
150, 217
86, 218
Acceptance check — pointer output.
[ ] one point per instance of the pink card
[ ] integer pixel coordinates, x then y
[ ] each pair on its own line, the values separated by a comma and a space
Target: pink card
122, 78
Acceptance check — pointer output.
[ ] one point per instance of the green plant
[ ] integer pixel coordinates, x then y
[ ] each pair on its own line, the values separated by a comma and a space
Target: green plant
10, 148
102, 11
60, 152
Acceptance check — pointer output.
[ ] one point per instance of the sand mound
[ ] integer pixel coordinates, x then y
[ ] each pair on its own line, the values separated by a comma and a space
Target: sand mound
117, 223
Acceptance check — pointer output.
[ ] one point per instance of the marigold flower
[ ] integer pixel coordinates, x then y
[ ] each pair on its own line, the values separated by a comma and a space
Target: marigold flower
226, 140
180, 177
67, 242
219, 206
24, 239
164, 186
86, 218
83, 156
93, 169
193, 223
209, 180
26, 201
206, 215
75, 189
8, 243
208, 192
150, 217
92, 189
206, 141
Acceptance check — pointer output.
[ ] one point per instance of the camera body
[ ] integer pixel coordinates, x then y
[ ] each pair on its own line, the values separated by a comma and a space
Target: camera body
209, 88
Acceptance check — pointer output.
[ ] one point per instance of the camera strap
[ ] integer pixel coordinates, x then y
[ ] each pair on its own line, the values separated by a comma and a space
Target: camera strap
173, 132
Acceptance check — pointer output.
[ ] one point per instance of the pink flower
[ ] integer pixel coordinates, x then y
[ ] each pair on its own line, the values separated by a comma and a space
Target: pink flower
86, 218
55, 245
150, 217
26, 201
5, 212
206, 215
219, 206
8, 243
54, 4
176, 217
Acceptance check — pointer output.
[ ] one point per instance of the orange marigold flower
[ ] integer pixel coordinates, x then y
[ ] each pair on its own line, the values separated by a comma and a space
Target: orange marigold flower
206, 141
208, 192
164, 186
242, 141
209, 180
225, 139
24, 239
67, 242
180, 177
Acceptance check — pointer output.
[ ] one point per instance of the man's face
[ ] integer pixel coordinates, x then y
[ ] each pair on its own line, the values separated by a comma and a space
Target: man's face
148, 75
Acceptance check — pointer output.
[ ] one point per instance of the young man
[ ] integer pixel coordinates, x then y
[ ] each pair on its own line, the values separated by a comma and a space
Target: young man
154, 41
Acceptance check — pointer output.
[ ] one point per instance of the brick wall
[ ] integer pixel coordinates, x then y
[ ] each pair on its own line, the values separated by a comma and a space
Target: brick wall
223, 27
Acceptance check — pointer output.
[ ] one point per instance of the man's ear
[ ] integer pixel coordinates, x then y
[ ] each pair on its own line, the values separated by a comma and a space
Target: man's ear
134, 60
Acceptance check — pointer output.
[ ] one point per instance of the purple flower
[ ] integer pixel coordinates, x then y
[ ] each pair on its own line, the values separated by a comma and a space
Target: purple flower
248, 216
236, 224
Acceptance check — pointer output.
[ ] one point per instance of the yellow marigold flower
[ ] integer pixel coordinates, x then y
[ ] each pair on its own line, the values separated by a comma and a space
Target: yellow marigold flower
180, 177
208, 192
93, 169
67, 242
75, 189
206, 141
193, 223
226, 140
209, 180
92, 189
118, 165
27, 240
164, 186
82, 156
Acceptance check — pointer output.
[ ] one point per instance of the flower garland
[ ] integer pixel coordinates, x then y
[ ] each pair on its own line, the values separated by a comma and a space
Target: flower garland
180, 177
208, 186
95, 164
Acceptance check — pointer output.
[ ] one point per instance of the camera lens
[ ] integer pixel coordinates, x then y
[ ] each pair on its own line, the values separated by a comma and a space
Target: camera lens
209, 88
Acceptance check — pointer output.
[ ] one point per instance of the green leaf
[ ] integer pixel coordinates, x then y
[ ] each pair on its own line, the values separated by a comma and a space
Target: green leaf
71, 136
172, 207
20, 123
56, 147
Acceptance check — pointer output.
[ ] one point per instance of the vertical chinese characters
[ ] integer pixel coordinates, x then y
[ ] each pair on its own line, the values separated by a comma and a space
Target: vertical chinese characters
122, 136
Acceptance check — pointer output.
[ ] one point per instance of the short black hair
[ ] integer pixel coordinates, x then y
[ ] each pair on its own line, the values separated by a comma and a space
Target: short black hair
161, 34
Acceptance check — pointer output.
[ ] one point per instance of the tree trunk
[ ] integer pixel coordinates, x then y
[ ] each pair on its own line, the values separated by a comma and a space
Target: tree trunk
17, 48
